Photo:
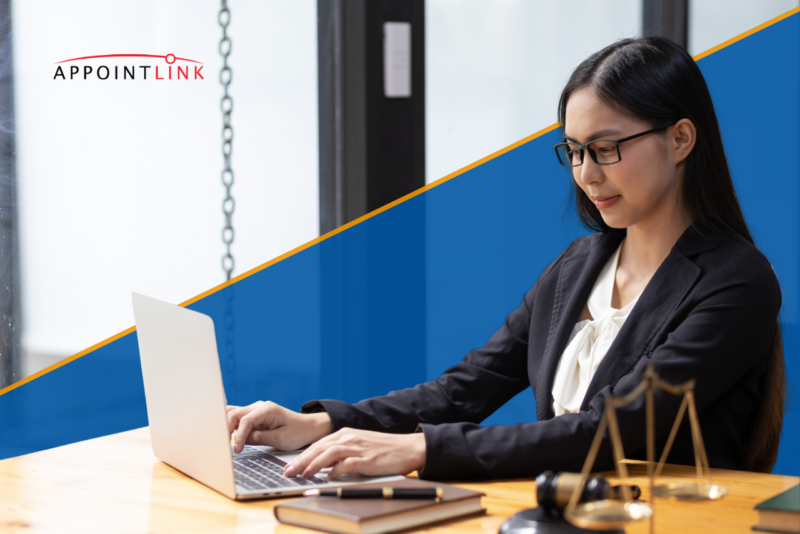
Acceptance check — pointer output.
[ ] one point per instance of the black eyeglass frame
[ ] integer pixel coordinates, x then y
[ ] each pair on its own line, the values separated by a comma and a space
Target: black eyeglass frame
593, 154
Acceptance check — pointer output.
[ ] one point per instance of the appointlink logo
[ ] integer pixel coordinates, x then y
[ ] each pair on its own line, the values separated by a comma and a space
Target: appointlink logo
124, 72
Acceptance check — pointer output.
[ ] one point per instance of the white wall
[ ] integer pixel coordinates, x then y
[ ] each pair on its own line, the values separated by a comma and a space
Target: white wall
495, 69
119, 182
712, 22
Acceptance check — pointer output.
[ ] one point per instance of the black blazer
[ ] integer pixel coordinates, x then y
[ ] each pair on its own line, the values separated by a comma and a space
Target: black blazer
708, 313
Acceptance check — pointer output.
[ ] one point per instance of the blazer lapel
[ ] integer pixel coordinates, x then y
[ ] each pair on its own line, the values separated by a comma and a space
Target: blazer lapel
575, 281
659, 300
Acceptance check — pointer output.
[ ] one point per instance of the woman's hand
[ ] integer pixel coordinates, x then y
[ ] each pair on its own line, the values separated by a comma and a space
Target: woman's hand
266, 423
361, 451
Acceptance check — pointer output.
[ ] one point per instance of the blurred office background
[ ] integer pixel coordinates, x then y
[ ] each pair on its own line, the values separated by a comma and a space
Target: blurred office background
112, 187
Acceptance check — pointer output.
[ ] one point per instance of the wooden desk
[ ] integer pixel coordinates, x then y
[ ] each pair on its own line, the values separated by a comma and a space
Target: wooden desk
115, 484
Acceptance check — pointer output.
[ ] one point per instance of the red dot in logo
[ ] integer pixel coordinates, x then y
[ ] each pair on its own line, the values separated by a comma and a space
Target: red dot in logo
170, 56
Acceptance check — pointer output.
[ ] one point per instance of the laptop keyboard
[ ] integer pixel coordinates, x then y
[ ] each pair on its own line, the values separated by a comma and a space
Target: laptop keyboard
254, 469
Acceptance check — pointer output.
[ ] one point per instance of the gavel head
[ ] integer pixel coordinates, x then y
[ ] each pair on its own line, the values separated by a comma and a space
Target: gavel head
554, 490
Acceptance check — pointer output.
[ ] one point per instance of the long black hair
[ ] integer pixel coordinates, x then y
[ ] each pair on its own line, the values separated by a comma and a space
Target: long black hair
655, 80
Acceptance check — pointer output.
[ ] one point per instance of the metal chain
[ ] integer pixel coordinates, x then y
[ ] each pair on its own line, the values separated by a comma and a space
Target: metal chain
228, 205
226, 105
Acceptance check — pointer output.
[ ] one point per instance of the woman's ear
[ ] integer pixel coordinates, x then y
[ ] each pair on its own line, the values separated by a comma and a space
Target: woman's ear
682, 139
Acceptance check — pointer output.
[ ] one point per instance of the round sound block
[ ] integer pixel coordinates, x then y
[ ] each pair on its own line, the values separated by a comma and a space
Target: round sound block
535, 521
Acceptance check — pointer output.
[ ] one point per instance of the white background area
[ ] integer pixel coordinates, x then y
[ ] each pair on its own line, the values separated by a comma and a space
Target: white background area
495, 68
712, 22
119, 181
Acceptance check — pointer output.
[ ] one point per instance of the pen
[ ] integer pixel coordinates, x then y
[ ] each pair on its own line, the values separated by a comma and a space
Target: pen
378, 493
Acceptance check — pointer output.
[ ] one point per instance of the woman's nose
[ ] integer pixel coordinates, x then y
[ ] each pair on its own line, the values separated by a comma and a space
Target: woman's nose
589, 171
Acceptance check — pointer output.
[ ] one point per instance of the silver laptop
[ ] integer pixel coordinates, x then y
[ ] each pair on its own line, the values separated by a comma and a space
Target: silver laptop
186, 409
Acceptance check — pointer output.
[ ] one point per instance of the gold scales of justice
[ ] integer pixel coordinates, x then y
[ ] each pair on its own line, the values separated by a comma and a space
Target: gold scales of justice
610, 514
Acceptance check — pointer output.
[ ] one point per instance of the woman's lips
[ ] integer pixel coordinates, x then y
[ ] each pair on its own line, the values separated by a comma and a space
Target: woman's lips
605, 202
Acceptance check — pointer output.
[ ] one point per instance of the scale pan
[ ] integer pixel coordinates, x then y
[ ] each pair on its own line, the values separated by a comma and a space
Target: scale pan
608, 514
690, 491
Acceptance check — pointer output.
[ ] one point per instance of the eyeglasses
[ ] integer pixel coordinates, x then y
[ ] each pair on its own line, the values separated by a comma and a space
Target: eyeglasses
602, 151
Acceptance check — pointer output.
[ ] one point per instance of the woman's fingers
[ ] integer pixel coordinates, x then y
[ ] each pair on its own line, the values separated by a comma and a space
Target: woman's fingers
235, 414
301, 464
233, 419
273, 438
328, 458
266, 423
242, 433
257, 437
346, 466
249, 418
369, 453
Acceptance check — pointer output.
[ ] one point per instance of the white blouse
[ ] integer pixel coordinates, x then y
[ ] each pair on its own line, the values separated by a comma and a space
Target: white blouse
589, 342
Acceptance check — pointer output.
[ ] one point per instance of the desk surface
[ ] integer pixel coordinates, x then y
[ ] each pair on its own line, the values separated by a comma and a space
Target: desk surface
115, 484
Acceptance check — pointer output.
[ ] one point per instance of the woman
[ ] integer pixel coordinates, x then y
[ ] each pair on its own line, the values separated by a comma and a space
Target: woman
671, 277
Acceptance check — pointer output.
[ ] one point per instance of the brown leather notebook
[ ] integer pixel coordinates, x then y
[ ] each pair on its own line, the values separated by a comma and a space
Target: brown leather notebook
373, 516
